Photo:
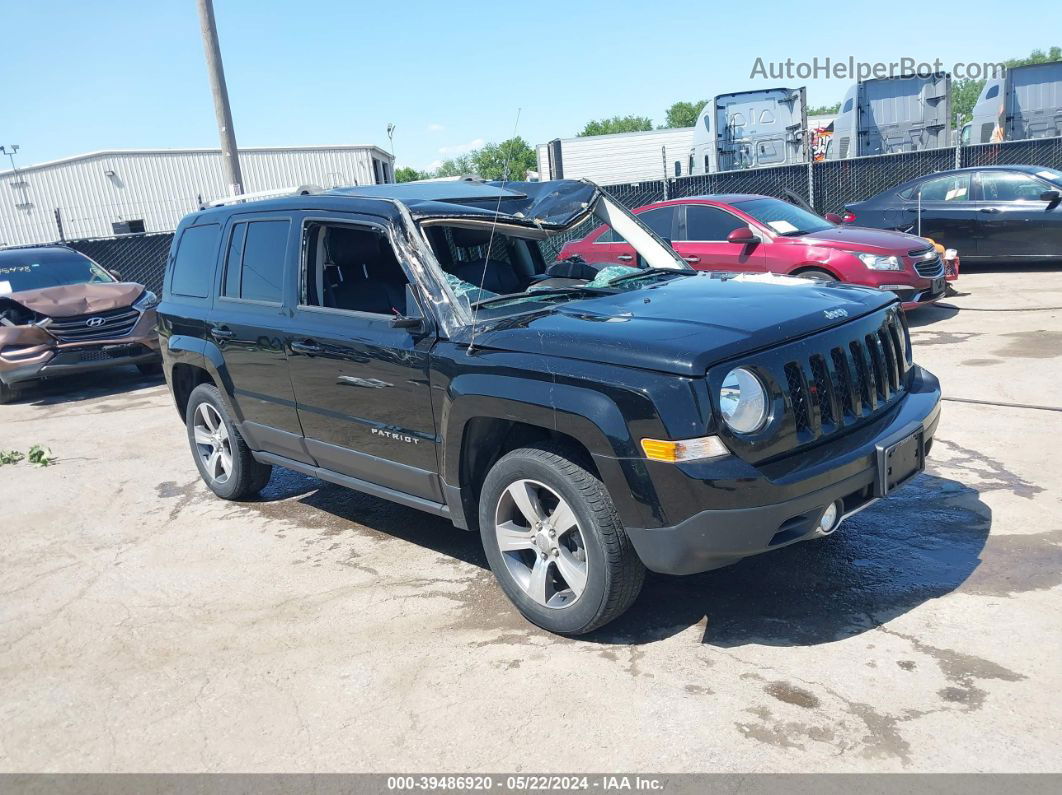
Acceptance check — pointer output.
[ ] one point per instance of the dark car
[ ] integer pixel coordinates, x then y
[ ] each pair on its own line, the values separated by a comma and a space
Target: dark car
989, 213
747, 232
61, 313
411, 342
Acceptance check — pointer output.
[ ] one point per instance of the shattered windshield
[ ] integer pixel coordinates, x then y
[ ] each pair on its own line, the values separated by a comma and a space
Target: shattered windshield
501, 269
32, 269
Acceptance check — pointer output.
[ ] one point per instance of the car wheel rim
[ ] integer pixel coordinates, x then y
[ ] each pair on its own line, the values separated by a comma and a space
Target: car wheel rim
541, 543
212, 443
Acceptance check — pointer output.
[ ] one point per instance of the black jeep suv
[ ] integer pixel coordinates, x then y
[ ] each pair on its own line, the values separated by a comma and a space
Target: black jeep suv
420, 343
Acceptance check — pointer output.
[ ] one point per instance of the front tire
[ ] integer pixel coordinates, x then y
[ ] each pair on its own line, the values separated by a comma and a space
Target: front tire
7, 393
554, 541
816, 274
222, 456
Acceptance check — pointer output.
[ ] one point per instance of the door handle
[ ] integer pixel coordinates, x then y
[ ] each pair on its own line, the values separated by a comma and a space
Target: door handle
692, 260
624, 257
989, 210
306, 346
222, 333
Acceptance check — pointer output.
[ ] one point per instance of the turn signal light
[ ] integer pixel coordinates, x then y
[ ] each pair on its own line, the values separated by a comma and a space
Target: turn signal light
683, 450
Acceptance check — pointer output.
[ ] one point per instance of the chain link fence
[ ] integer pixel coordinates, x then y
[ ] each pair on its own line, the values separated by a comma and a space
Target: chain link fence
825, 186
136, 258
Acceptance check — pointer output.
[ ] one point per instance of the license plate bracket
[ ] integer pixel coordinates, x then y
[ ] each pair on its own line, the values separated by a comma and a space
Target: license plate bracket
900, 458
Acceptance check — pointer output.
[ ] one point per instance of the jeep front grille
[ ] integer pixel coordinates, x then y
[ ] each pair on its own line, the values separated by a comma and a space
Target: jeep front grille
825, 384
101, 325
861, 378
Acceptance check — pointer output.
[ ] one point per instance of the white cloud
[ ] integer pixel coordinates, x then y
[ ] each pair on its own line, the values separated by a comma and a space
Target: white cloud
435, 127
461, 149
434, 164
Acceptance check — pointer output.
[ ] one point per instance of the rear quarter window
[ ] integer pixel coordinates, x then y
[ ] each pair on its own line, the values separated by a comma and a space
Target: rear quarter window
193, 264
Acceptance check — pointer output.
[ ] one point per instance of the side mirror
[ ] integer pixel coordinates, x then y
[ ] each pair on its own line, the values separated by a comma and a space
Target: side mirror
742, 236
1051, 196
833, 218
117, 276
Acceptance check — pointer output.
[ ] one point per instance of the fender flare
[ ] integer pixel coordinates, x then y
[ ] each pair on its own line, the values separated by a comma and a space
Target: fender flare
197, 352
585, 415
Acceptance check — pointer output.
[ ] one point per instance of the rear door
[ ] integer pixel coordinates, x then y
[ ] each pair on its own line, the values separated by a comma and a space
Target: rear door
248, 323
904, 114
1016, 221
361, 384
942, 208
762, 128
701, 240
662, 220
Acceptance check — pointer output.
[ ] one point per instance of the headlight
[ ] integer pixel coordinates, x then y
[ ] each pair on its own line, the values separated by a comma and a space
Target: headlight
876, 263
743, 401
147, 300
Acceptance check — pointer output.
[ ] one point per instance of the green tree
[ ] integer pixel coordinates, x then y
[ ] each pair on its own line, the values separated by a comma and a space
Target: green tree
824, 110
455, 167
684, 114
509, 160
407, 174
617, 124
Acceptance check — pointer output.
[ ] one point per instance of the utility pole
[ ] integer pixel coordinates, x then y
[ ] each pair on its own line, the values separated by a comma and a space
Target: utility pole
229, 156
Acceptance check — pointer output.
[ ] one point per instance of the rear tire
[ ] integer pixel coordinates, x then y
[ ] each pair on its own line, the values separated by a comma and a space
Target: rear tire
222, 456
568, 566
816, 274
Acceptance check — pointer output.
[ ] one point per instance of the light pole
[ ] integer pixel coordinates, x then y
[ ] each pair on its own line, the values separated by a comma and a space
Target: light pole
229, 156
10, 150
391, 137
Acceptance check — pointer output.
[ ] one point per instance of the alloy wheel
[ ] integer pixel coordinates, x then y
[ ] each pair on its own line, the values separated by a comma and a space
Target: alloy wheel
212, 442
541, 543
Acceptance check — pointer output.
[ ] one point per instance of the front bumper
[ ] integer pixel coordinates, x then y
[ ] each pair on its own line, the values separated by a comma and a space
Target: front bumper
781, 503
73, 361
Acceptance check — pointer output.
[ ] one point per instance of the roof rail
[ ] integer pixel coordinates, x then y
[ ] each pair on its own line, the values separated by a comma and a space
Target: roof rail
300, 190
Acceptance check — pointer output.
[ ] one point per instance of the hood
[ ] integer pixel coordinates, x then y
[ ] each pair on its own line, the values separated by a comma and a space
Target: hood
684, 326
872, 240
71, 300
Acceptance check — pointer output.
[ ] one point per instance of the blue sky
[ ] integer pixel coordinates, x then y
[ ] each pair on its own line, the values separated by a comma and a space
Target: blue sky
81, 76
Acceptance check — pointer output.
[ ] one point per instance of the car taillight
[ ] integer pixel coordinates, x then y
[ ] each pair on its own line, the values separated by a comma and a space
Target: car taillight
848, 216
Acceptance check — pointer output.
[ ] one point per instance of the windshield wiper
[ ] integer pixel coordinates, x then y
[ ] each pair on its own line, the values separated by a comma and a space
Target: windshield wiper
651, 272
545, 292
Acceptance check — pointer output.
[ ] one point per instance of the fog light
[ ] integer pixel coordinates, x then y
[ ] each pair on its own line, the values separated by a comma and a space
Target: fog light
828, 522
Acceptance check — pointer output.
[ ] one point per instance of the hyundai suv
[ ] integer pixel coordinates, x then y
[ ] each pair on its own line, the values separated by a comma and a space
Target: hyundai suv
61, 313
421, 343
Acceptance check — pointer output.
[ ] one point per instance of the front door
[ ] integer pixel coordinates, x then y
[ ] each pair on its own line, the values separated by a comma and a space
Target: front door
701, 241
1016, 222
941, 209
361, 384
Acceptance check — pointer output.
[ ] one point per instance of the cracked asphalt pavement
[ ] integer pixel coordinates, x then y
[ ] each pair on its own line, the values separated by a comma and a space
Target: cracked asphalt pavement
147, 626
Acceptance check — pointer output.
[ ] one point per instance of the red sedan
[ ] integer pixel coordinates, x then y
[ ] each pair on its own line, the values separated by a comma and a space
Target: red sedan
746, 232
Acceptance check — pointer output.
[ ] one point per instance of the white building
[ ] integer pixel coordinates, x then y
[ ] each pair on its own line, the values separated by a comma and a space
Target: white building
150, 190
618, 158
